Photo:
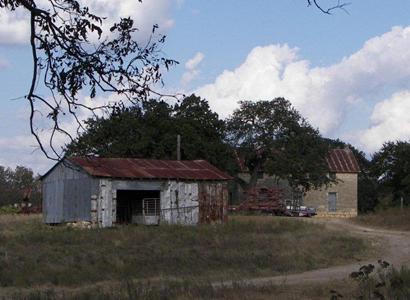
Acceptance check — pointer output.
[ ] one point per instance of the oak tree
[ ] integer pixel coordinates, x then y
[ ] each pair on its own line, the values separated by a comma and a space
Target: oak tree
391, 167
150, 131
273, 138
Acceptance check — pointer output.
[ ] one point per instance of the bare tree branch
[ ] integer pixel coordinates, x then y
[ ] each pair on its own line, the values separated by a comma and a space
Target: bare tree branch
340, 5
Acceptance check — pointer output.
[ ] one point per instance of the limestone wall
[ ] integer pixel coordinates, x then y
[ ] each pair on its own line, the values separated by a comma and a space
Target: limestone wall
346, 203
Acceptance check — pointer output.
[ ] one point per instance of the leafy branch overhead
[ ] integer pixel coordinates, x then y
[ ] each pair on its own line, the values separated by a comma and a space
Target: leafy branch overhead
75, 55
71, 54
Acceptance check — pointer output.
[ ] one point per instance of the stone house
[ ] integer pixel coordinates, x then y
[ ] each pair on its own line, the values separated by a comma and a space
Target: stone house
337, 200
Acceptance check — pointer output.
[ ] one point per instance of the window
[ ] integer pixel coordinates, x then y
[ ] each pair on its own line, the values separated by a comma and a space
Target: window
332, 201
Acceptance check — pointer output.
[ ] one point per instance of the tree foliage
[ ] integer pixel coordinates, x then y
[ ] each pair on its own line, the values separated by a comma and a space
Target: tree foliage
150, 131
18, 184
272, 137
71, 53
391, 167
74, 57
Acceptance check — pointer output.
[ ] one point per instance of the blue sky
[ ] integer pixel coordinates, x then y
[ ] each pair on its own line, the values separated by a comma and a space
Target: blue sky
347, 73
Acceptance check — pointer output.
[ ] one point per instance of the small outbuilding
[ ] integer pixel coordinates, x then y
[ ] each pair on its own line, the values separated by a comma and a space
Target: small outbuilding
108, 191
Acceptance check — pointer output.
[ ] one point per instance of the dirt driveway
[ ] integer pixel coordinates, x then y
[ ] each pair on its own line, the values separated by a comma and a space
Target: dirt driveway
396, 250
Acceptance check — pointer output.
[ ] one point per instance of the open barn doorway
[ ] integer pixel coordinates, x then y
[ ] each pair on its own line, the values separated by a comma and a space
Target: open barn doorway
138, 207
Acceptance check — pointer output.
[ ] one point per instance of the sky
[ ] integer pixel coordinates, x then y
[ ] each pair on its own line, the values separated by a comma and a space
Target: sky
348, 73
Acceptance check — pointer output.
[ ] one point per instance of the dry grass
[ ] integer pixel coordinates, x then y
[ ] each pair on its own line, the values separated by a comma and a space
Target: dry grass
393, 218
34, 256
188, 290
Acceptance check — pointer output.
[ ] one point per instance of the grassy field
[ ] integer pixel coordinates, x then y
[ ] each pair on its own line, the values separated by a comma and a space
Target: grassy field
190, 290
41, 258
393, 218
394, 284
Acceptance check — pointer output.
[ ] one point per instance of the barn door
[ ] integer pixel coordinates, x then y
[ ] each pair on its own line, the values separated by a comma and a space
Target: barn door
105, 203
332, 199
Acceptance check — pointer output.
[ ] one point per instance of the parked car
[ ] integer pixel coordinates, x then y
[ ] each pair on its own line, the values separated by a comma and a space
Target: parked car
301, 211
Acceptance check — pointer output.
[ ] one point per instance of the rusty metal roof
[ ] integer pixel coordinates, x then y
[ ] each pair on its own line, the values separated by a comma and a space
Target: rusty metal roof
342, 161
134, 168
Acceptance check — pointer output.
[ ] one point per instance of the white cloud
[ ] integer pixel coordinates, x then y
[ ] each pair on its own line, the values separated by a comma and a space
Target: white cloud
390, 121
192, 63
324, 95
144, 14
191, 68
22, 150
14, 26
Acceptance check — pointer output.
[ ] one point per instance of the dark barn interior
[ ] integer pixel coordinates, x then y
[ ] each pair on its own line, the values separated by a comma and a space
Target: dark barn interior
130, 202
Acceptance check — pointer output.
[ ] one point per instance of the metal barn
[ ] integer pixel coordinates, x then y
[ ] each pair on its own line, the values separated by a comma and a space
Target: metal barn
108, 191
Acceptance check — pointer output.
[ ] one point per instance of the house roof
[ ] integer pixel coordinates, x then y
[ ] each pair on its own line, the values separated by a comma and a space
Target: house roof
338, 161
134, 168
342, 161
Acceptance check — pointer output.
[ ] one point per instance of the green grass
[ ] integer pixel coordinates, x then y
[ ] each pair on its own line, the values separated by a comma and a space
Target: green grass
33, 254
8, 210
392, 218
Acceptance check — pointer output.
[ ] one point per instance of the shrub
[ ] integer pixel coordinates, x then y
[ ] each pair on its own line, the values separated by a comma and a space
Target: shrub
8, 210
381, 282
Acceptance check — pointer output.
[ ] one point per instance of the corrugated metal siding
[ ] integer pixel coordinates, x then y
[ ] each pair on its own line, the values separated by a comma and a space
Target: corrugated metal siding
77, 200
213, 202
66, 195
53, 194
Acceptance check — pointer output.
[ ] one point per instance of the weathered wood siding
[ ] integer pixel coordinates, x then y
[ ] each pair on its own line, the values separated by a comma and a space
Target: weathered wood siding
213, 202
179, 203
104, 206
185, 203
67, 195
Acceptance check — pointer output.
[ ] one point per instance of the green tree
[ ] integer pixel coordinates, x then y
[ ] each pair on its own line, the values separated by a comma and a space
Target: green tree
272, 137
17, 185
128, 132
150, 131
391, 167
203, 133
